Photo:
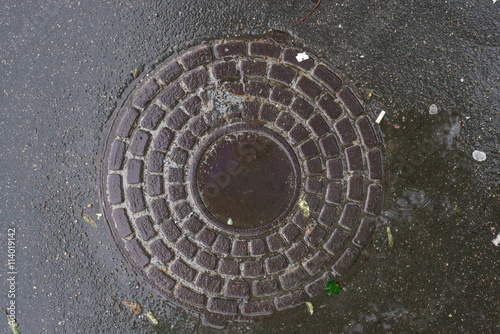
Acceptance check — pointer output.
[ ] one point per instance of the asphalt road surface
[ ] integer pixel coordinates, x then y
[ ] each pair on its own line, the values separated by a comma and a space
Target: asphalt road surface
64, 65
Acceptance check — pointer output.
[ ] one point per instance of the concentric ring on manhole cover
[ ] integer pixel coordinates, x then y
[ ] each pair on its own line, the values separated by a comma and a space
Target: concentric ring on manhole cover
203, 167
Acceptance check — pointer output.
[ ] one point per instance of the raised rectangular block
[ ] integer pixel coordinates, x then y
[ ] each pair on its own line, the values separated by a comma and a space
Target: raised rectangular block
152, 117
292, 279
138, 253
318, 286
140, 143
196, 58
238, 289
366, 131
223, 306
161, 278
352, 104
364, 232
345, 131
290, 300
315, 235
345, 261
161, 251
282, 74
209, 283
117, 155
206, 260
127, 123
253, 269
327, 77
297, 252
182, 270
290, 56
136, 199
170, 230
354, 158
276, 263
349, 215
374, 159
122, 222
355, 188
265, 50
171, 94
336, 241
146, 93
145, 227
308, 87
329, 106
115, 189
229, 50
275, 242
169, 73
316, 263
176, 192
373, 199
265, 287
189, 296
257, 308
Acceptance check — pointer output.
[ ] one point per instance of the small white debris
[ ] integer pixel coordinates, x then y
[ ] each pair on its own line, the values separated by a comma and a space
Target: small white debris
478, 155
301, 57
433, 109
230, 221
496, 241
380, 116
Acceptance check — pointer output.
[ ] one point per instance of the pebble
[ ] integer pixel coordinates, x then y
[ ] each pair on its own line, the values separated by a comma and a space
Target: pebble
478, 155
433, 109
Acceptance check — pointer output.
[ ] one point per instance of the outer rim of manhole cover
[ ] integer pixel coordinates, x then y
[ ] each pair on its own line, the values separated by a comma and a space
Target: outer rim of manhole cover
147, 153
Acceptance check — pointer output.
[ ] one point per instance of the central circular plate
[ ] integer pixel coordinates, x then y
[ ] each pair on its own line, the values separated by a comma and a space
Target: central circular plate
245, 178
238, 177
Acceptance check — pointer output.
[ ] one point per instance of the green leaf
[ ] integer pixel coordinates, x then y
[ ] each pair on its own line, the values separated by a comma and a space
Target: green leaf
332, 288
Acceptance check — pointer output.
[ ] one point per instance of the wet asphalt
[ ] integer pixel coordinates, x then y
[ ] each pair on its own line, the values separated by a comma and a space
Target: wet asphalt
65, 63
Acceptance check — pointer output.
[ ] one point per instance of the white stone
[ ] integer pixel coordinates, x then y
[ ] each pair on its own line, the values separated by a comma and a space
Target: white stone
301, 57
478, 155
380, 116
496, 241
433, 109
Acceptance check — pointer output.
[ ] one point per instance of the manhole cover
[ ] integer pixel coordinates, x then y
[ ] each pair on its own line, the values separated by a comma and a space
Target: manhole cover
204, 166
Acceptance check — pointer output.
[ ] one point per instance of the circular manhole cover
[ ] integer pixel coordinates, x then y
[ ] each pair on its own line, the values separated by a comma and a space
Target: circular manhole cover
205, 164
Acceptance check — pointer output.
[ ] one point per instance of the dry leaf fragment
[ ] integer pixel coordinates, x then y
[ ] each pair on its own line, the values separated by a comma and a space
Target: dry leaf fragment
152, 318
305, 208
134, 307
389, 237
310, 307
89, 220
13, 325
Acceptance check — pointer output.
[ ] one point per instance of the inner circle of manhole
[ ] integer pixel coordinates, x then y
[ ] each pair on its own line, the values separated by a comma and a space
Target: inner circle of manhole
245, 178
237, 178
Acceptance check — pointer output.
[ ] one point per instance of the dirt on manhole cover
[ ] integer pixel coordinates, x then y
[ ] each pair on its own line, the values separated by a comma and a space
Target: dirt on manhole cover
204, 165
